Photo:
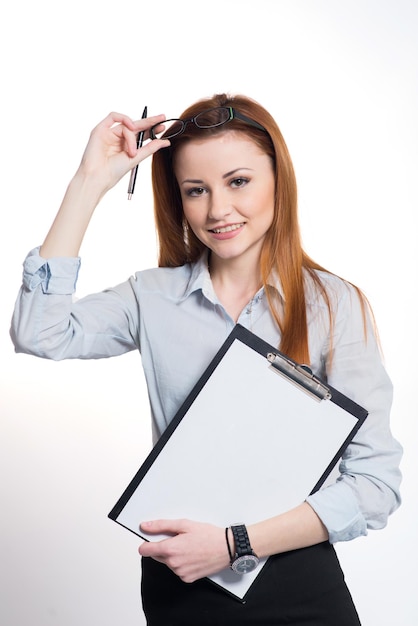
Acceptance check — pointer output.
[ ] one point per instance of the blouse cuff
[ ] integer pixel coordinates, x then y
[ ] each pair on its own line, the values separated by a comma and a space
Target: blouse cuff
57, 275
342, 523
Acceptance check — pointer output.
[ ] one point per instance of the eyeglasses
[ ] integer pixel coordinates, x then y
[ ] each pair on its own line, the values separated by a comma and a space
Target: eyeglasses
206, 119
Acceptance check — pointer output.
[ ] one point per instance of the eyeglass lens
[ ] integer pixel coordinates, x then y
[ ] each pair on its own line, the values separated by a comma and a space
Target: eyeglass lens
206, 119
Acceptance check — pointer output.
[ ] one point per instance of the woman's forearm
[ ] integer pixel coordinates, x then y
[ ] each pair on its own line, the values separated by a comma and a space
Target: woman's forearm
298, 528
66, 234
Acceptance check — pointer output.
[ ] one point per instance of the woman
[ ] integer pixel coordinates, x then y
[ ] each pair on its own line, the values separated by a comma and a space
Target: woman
230, 251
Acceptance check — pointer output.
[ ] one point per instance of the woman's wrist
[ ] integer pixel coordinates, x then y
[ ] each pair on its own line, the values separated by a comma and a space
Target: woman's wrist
86, 184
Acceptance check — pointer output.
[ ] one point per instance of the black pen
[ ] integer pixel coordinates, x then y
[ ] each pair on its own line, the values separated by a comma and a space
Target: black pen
139, 143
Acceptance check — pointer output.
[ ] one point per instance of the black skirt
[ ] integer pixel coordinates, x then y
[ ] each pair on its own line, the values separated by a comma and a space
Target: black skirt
303, 587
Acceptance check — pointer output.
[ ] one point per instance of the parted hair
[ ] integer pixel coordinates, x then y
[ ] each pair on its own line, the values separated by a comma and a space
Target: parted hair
282, 254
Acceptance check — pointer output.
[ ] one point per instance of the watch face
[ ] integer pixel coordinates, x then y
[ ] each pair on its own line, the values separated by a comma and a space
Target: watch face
244, 564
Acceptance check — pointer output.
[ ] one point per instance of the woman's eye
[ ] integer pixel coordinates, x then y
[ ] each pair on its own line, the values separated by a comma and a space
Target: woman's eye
195, 191
239, 182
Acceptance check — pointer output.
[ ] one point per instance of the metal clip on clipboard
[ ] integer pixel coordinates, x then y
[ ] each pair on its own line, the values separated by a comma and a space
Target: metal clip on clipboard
301, 375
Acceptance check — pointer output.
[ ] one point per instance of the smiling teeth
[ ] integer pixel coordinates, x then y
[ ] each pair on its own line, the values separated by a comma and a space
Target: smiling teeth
227, 229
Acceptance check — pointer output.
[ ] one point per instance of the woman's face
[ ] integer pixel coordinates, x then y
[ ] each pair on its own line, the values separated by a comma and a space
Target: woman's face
227, 189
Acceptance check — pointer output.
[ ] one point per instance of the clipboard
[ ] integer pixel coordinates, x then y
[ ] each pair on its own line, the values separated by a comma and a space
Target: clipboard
257, 434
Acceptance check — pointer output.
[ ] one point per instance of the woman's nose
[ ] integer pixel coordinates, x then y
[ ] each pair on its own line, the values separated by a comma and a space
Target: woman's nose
219, 206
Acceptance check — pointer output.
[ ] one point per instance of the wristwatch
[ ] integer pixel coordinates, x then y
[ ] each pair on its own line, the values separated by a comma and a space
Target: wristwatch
245, 560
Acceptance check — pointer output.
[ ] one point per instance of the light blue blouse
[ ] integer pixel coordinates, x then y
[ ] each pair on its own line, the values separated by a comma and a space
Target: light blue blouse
172, 315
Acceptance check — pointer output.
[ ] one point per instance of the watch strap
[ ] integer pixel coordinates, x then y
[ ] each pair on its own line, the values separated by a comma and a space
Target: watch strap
241, 540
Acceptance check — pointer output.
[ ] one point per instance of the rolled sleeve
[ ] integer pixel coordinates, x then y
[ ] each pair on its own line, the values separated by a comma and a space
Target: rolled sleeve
55, 276
342, 523
50, 323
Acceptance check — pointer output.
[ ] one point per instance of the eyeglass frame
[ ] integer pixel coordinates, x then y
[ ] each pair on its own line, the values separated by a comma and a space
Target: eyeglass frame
233, 114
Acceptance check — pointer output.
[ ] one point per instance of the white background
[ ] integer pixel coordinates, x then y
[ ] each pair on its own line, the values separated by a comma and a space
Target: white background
340, 77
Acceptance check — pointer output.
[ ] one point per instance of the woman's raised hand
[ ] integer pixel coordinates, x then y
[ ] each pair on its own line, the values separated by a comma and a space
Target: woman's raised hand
111, 151
110, 154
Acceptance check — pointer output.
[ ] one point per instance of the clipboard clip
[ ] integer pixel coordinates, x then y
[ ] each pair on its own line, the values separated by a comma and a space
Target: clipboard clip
301, 375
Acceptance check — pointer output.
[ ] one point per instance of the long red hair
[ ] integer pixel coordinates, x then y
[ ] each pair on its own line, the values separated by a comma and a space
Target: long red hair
282, 254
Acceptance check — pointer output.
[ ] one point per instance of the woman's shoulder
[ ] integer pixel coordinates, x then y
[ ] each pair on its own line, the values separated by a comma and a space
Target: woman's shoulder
323, 286
156, 275
170, 281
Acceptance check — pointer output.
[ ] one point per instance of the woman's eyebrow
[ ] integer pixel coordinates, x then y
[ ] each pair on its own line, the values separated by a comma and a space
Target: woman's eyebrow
192, 180
237, 169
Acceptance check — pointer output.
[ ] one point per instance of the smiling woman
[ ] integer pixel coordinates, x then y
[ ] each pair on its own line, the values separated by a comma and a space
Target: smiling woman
229, 211
230, 251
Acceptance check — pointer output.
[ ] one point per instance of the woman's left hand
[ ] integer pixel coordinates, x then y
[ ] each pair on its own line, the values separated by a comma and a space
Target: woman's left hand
192, 551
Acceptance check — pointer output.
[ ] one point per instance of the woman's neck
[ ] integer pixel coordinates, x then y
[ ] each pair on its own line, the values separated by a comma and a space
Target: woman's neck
234, 283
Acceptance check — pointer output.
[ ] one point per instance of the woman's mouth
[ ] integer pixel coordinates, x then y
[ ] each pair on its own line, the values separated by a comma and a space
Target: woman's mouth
226, 229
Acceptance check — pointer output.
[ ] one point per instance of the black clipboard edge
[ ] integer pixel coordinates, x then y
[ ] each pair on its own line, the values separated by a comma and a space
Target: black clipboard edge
262, 347
114, 513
